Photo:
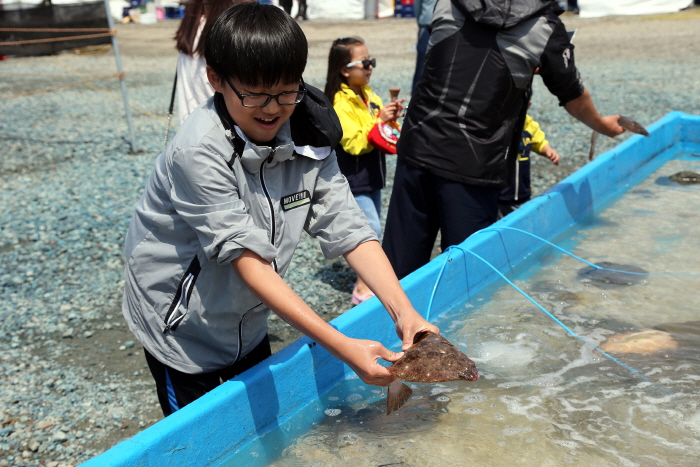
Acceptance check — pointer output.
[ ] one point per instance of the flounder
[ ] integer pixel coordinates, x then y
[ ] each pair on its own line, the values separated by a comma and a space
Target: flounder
685, 177
645, 341
613, 274
627, 123
431, 359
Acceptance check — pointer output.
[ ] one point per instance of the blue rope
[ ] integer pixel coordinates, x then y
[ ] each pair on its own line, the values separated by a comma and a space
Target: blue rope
556, 320
497, 229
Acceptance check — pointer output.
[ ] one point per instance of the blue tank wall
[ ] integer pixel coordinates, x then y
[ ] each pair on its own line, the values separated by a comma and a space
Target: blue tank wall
215, 426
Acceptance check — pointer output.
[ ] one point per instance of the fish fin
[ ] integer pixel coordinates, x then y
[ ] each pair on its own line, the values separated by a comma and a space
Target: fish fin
399, 393
630, 124
594, 138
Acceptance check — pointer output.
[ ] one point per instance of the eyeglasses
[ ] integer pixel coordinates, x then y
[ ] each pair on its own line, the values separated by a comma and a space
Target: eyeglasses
365, 63
261, 99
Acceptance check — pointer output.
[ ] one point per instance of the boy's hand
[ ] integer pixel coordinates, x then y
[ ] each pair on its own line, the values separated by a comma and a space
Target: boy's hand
362, 355
408, 324
548, 152
391, 111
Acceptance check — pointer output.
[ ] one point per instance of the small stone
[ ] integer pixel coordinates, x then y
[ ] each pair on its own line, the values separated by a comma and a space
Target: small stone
60, 436
44, 424
88, 334
68, 333
34, 445
129, 344
121, 347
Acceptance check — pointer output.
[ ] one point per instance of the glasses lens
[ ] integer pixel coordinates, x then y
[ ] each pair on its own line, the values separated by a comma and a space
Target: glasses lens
366, 63
290, 98
255, 101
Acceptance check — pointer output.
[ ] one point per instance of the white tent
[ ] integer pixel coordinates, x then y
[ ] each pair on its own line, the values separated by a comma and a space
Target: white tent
596, 8
348, 9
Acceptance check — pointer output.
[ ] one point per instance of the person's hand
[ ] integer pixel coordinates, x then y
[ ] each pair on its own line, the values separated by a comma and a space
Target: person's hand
408, 324
609, 126
362, 355
391, 111
548, 152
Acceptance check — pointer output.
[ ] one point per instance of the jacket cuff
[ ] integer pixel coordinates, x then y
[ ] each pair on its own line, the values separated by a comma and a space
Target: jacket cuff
257, 242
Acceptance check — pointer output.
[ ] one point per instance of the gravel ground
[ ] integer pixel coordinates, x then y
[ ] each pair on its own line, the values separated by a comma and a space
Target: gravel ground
73, 379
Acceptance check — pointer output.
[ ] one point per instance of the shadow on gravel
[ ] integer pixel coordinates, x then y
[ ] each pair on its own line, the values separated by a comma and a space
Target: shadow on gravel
338, 275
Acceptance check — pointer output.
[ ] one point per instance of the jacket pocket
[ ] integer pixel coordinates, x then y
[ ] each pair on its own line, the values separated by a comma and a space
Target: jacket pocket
178, 307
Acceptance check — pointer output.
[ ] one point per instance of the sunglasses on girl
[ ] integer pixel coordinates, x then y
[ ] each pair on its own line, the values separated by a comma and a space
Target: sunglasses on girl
365, 63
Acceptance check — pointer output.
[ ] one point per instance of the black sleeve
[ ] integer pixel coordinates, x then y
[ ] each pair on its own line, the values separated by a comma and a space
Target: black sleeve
557, 65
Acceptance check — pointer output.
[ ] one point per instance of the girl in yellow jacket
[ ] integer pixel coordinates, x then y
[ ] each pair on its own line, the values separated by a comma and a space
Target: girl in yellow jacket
369, 130
518, 189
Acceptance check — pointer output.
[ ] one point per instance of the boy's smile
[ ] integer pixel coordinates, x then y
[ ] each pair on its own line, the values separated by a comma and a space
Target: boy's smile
259, 124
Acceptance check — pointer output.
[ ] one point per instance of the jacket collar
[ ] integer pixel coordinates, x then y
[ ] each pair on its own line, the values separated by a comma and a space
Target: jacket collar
254, 156
350, 94
312, 131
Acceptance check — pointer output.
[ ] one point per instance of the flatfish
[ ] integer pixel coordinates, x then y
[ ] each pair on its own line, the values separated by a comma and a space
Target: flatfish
685, 177
628, 123
431, 359
641, 342
612, 274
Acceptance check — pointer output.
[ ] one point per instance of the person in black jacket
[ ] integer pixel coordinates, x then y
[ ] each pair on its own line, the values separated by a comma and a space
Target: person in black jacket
457, 139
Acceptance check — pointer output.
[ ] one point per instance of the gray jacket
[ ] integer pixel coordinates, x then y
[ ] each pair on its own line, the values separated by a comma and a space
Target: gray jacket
204, 204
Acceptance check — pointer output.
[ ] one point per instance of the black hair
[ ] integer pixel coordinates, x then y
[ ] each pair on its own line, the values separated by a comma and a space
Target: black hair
195, 11
259, 45
338, 57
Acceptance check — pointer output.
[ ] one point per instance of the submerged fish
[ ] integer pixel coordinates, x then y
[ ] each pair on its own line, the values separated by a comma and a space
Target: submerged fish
627, 123
608, 274
644, 341
431, 359
685, 177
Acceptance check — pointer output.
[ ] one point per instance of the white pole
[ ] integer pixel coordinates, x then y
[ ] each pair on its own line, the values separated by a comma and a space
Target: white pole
125, 97
370, 9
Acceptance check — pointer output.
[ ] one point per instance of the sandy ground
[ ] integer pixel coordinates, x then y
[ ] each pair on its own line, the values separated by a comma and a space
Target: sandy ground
672, 39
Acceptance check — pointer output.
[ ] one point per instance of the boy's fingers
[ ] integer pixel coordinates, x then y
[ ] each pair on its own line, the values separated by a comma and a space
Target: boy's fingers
390, 356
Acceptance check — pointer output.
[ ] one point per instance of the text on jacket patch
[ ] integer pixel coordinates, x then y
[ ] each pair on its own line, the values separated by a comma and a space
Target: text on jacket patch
296, 200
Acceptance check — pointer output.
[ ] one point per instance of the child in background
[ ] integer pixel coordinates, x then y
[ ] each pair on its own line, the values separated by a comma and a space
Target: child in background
248, 172
518, 190
369, 131
193, 86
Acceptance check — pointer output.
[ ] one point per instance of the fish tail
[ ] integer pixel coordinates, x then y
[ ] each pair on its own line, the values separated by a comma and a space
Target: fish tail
594, 138
399, 393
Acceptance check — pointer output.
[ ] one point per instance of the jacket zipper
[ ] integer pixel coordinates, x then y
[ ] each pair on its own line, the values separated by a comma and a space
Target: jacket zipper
269, 200
182, 296
240, 332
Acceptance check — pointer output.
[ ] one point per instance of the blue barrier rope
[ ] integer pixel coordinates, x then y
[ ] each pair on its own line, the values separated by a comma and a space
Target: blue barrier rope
498, 229
568, 330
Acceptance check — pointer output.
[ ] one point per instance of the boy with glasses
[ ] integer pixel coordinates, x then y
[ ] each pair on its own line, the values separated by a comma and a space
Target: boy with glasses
224, 209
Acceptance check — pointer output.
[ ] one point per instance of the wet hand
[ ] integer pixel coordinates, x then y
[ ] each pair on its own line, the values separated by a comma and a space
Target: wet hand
409, 324
610, 126
362, 356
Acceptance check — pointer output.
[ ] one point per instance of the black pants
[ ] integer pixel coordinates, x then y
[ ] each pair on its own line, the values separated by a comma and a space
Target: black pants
287, 6
177, 389
423, 203
302, 10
